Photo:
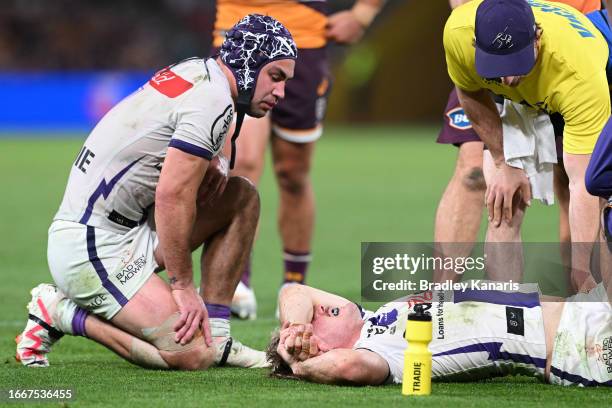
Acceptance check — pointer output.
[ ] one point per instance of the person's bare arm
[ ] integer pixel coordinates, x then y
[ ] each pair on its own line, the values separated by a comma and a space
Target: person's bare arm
342, 366
583, 219
297, 302
483, 114
348, 26
175, 211
485, 120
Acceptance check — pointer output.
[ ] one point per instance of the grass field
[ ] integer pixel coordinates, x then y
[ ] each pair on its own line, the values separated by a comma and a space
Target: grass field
372, 184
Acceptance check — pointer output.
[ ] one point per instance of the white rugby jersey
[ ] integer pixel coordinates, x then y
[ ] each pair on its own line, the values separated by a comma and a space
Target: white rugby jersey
112, 183
475, 334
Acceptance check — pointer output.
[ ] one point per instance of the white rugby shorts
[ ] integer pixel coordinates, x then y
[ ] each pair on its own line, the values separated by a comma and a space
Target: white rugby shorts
98, 269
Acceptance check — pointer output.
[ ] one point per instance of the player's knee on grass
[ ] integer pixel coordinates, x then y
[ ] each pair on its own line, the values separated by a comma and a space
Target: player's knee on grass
195, 355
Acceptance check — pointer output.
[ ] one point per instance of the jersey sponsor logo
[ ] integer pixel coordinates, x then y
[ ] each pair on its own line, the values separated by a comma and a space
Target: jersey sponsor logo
440, 316
515, 323
606, 353
169, 83
221, 126
458, 119
571, 17
385, 319
381, 323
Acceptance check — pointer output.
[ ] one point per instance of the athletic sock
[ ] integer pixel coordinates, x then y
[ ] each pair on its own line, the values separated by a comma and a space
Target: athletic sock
296, 265
218, 317
71, 318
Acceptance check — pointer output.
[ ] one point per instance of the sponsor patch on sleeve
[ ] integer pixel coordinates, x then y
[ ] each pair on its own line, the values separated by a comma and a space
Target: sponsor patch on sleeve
169, 83
514, 320
458, 119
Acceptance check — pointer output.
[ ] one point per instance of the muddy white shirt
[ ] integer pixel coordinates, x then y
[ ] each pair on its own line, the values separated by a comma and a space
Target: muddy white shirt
112, 183
475, 334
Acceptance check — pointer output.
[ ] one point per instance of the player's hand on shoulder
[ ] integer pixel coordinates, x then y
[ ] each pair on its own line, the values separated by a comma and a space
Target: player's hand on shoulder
215, 180
344, 28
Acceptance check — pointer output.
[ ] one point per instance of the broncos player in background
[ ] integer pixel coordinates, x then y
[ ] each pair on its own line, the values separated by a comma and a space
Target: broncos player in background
295, 124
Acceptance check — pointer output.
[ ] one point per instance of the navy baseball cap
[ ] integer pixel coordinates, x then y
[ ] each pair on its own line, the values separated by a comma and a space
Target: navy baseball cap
505, 33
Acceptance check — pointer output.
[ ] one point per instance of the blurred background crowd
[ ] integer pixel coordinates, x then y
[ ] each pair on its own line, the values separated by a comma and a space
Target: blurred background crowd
396, 74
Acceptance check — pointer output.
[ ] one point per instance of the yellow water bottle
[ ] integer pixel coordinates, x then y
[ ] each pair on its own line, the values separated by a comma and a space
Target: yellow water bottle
417, 357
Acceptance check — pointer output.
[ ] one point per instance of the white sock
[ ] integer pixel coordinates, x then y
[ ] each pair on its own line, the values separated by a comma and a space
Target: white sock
64, 314
219, 327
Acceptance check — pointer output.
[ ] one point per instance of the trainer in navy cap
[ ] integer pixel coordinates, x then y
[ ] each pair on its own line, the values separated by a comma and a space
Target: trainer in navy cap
505, 35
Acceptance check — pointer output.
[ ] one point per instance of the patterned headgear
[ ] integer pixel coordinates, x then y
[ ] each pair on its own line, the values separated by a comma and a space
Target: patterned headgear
253, 42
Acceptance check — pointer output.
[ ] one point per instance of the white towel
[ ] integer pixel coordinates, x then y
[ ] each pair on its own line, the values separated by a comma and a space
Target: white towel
529, 144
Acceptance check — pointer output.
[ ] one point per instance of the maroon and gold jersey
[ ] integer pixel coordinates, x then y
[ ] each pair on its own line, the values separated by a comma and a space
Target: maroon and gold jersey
305, 19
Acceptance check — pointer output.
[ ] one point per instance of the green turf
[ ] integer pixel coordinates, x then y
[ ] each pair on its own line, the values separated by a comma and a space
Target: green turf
372, 184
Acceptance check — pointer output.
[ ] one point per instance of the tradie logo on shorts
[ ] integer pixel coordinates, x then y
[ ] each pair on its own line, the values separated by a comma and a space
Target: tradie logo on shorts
458, 119
503, 40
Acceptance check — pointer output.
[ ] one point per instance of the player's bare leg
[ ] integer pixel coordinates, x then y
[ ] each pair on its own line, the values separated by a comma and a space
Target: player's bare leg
561, 186
227, 229
251, 145
460, 210
150, 315
503, 244
296, 215
141, 332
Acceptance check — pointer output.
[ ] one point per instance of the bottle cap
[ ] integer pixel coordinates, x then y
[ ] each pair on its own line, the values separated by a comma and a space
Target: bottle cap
419, 314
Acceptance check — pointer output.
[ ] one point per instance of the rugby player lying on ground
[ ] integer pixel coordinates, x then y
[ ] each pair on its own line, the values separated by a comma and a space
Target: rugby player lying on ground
476, 334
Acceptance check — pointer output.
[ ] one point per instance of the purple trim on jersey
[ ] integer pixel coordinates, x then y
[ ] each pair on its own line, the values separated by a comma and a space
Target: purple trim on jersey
576, 379
78, 322
497, 297
104, 190
495, 354
99, 267
191, 149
